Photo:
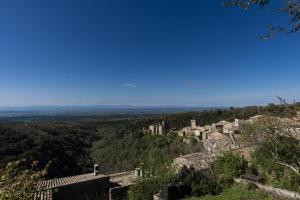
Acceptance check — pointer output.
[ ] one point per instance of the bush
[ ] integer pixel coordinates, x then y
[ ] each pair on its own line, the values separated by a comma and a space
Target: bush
224, 181
144, 189
18, 183
251, 186
273, 173
227, 167
199, 182
156, 173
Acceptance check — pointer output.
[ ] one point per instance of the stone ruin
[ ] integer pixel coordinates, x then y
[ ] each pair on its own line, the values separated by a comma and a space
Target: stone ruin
158, 128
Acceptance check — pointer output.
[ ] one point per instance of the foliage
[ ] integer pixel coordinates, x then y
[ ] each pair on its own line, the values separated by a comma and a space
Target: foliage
156, 173
17, 182
212, 116
275, 141
272, 172
229, 166
73, 147
237, 192
251, 186
145, 188
291, 8
199, 182
135, 148
277, 153
74, 144
65, 145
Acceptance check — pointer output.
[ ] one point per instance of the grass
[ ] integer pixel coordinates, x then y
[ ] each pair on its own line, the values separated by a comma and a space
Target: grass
237, 193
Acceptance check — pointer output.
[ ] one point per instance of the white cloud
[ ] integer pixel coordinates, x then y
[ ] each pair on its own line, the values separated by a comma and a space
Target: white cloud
129, 85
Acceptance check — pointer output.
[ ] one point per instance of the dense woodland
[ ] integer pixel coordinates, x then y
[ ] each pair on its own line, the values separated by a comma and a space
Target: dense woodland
72, 145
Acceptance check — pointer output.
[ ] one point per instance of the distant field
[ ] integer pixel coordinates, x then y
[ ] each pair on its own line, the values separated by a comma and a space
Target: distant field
17, 113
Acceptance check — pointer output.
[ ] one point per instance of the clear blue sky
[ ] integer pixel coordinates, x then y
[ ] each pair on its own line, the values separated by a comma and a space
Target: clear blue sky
145, 52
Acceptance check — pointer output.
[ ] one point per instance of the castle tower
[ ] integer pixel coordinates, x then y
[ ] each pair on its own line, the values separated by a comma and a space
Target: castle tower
151, 129
163, 123
236, 123
156, 130
160, 129
193, 124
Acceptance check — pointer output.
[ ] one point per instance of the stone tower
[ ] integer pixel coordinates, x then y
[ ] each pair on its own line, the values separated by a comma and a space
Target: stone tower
236, 123
193, 124
160, 129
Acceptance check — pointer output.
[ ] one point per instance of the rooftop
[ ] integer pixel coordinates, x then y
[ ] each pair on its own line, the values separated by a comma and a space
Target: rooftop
45, 187
58, 182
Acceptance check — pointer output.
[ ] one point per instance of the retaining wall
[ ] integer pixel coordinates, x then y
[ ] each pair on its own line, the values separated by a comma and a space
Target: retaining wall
278, 191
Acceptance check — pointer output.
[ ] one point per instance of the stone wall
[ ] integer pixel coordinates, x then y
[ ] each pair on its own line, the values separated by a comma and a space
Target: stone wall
199, 161
93, 189
278, 191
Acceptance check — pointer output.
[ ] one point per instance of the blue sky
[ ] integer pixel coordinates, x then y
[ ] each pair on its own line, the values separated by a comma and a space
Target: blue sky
142, 52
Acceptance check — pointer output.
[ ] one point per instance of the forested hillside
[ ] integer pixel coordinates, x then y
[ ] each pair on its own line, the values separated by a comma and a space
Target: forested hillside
73, 146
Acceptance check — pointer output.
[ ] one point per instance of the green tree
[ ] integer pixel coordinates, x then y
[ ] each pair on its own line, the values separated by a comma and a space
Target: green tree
156, 172
229, 166
198, 181
276, 139
272, 172
290, 8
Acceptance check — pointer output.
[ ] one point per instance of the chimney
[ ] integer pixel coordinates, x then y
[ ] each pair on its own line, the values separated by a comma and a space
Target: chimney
96, 170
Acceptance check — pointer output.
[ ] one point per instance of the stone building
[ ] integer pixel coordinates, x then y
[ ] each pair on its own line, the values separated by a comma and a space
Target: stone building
192, 130
216, 141
221, 136
158, 129
86, 186
297, 118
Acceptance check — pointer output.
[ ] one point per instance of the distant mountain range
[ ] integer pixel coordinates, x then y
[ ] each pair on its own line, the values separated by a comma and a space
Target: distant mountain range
90, 110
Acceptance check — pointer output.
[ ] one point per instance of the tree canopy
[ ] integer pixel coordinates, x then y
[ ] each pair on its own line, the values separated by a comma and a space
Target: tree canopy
290, 8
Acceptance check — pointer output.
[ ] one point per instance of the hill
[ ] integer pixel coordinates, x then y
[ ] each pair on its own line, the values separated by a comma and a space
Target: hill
74, 144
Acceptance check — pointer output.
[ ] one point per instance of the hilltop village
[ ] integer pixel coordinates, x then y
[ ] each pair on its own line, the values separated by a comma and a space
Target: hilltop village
139, 149
220, 136
216, 138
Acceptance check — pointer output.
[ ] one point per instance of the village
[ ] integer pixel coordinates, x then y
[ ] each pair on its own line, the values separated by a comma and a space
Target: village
149, 100
217, 137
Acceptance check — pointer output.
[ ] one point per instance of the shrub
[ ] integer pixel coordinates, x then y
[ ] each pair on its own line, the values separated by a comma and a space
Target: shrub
199, 182
251, 186
18, 183
228, 166
156, 173
144, 188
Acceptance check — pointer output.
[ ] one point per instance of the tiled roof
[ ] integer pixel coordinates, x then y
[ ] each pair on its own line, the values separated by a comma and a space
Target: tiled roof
45, 187
43, 195
58, 182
